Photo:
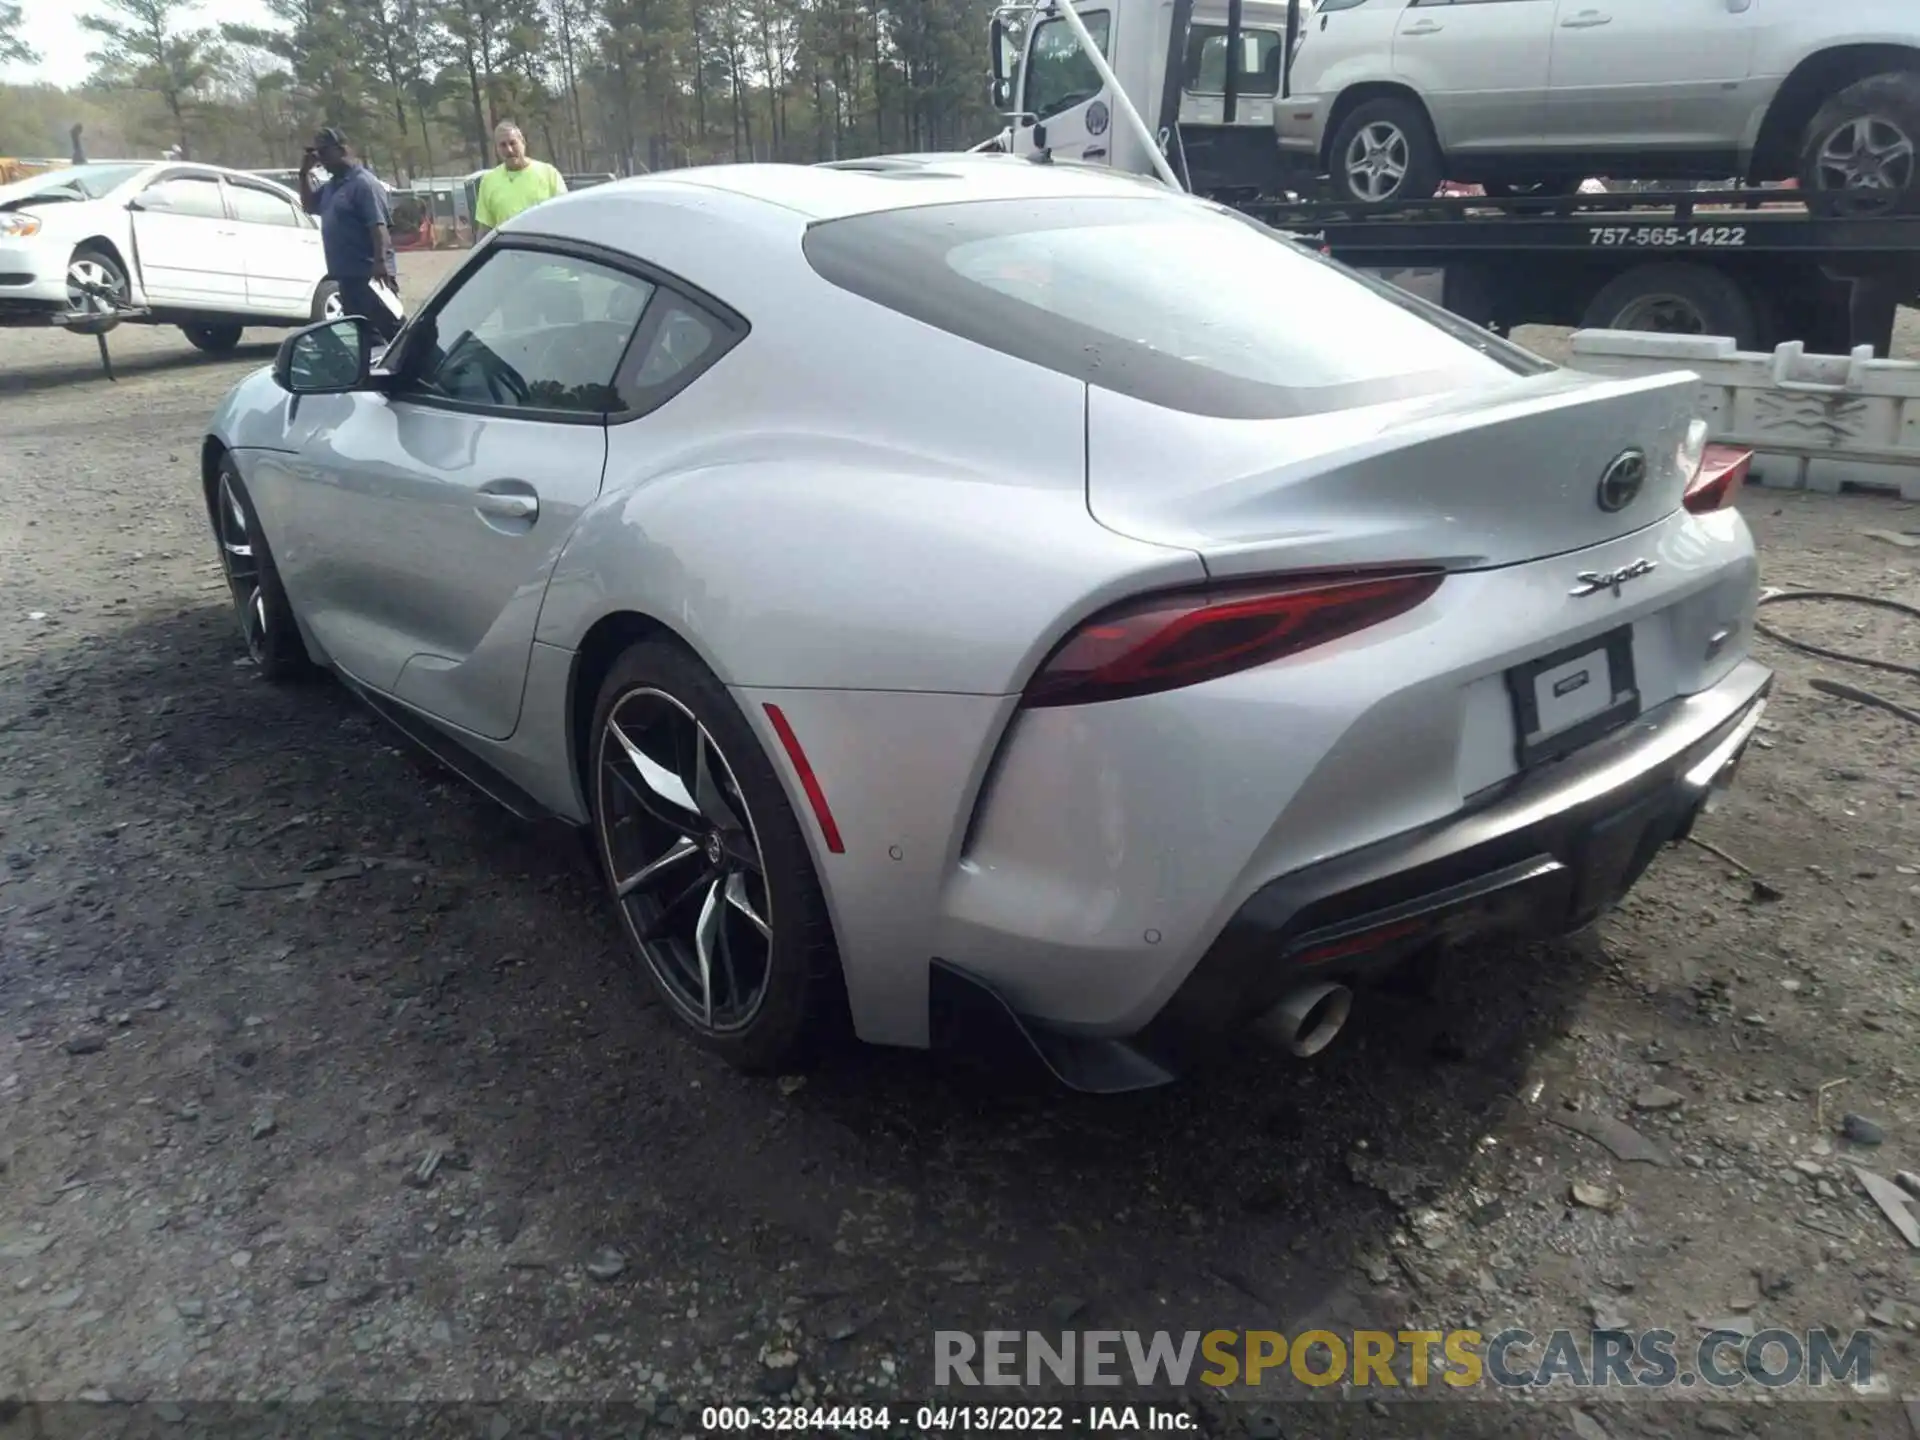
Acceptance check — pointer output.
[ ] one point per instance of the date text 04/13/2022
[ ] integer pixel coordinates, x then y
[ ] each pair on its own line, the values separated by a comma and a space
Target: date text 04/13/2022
945, 1419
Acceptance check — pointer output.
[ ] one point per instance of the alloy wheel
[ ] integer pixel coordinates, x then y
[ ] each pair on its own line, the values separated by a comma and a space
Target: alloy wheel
681, 846
87, 279
1377, 161
242, 569
1866, 162
333, 307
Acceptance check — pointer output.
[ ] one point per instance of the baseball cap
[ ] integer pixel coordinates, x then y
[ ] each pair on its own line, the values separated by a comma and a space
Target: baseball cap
326, 136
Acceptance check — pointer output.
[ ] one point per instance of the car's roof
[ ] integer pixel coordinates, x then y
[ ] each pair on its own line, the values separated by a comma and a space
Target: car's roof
890, 182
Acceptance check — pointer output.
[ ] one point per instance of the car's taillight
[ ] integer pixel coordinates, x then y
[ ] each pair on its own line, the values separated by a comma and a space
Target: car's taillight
1166, 641
1716, 484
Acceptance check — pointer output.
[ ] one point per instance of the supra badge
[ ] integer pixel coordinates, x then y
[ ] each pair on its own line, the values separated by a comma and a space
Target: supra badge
1620, 485
1592, 582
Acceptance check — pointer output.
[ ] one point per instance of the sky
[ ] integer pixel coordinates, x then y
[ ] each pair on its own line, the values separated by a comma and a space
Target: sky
48, 26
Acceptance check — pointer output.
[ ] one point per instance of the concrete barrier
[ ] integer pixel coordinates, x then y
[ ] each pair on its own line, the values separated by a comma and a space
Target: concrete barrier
1816, 422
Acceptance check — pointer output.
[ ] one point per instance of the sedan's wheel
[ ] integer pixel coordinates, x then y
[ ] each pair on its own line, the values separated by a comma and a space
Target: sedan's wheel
708, 866
213, 339
327, 304
260, 606
1385, 151
1861, 154
96, 283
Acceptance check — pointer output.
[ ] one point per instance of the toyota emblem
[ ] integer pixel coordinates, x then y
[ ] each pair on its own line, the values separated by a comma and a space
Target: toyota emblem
1620, 485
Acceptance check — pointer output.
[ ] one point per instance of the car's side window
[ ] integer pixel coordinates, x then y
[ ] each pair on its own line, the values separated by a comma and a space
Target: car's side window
530, 330
255, 206
679, 340
195, 195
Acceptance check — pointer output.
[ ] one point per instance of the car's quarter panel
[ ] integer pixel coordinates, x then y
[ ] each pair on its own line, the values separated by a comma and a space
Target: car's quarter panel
1481, 68
1337, 51
850, 524
1113, 841
1469, 478
1652, 75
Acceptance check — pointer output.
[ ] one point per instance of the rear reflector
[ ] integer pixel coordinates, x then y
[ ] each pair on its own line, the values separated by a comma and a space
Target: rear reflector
1163, 642
809, 782
1717, 483
1365, 943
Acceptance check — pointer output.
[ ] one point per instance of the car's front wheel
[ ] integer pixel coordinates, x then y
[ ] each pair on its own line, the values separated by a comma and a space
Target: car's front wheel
709, 869
1861, 154
96, 281
213, 339
1385, 152
259, 601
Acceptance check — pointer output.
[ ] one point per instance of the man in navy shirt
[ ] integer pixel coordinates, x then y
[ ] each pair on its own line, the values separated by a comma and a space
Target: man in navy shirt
354, 232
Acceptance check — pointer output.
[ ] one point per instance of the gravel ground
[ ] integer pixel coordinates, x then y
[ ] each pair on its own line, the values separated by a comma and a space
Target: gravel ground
321, 1077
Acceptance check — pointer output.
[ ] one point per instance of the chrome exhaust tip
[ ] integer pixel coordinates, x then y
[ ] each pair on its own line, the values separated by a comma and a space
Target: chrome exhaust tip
1307, 1020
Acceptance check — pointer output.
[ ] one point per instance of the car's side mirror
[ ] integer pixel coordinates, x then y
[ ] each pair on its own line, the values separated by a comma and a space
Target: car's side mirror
1002, 95
326, 359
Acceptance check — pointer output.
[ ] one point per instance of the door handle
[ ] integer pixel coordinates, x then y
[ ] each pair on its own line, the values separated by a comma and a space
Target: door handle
1586, 20
506, 506
1423, 27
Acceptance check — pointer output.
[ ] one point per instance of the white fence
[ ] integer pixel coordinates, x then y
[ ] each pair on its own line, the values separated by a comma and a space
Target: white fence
1814, 422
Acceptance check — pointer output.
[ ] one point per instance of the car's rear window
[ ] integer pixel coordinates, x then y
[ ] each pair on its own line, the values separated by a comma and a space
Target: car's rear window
1185, 306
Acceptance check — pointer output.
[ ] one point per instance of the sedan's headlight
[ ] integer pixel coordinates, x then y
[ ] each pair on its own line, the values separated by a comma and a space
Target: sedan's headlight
1693, 450
16, 225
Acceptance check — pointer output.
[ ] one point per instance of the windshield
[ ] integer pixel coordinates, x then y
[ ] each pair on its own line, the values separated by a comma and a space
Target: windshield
1183, 305
72, 182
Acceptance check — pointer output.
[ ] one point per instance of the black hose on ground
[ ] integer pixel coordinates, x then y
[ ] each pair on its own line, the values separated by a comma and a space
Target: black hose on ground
1831, 687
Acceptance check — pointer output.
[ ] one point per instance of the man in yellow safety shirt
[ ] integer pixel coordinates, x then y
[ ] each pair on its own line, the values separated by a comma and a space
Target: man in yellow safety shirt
517, 183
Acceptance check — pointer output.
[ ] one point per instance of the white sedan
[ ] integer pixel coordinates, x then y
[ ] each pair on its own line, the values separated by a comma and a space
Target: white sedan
210, 250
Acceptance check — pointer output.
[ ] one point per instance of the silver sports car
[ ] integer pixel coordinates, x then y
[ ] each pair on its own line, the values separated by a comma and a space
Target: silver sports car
995, 603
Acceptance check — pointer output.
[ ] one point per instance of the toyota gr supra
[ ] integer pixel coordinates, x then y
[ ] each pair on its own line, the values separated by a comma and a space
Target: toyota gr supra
999, 603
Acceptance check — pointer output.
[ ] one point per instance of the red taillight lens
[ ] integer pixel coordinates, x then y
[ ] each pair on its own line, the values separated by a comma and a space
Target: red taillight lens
1716, 485
1166, 641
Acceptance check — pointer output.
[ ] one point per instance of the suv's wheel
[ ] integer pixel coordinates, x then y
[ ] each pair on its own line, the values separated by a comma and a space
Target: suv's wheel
214, 339
709, 869
1384, 152
1861, 154
253, 583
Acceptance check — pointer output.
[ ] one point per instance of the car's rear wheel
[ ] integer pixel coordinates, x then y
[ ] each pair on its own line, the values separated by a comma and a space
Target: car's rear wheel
1384, 152
96, 281
259, 601
709, 869
327, 304
213, 339
1861, 154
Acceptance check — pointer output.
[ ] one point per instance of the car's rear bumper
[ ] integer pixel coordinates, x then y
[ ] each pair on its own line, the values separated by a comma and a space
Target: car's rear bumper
1543, 854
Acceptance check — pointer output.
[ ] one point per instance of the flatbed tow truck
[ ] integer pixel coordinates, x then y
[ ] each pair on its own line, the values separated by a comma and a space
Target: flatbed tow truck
1750, 263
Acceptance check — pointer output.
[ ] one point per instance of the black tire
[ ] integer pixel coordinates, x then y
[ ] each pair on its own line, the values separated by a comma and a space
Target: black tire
213, 339
327, 292
1413, 143
801, 1006
260, 604
110, 274
1691, 299
1882, 110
